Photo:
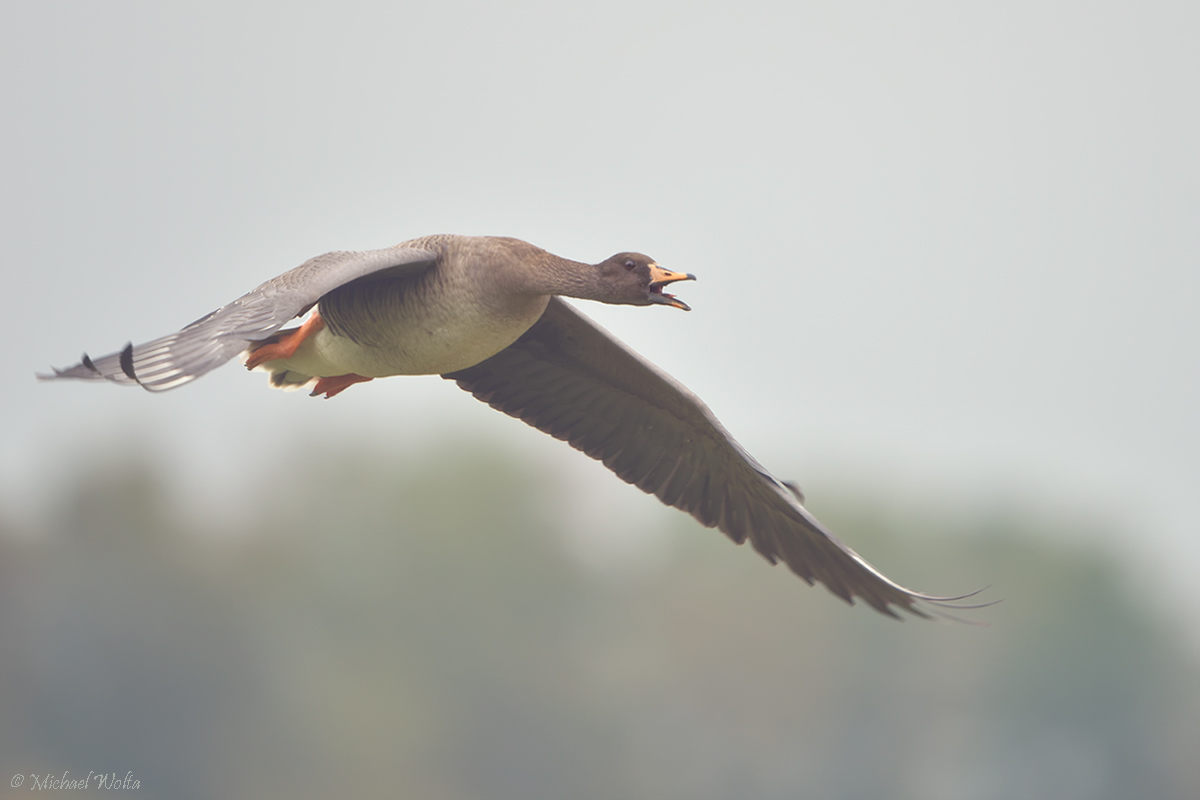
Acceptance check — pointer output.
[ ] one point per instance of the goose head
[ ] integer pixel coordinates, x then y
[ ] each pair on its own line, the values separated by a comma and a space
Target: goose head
637, 280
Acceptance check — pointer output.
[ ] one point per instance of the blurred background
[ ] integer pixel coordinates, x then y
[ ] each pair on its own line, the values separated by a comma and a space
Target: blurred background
947, 262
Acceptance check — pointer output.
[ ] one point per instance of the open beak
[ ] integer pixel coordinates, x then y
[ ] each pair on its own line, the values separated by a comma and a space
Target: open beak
659, 278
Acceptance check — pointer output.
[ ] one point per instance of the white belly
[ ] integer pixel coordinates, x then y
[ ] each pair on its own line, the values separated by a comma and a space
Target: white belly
427, 345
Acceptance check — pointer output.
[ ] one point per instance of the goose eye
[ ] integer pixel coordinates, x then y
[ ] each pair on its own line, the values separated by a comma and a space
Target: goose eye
629, 263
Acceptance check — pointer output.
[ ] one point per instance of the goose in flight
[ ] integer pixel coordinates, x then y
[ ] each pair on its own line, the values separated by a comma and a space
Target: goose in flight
486, 313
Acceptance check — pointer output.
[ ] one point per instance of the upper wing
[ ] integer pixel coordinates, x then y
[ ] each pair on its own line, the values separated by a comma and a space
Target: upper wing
214, 339
569, 378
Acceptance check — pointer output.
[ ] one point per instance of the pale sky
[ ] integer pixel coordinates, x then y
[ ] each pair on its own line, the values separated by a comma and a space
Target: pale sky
944, 250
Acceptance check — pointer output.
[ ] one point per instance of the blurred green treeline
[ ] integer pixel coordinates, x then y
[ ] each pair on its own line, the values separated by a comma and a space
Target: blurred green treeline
417, 627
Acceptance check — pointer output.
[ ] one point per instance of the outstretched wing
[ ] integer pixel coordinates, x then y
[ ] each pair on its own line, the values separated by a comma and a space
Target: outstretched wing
214, 339
568, 377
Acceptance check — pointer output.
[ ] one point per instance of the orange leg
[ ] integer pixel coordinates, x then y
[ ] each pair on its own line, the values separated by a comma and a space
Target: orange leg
285, 346
338, 383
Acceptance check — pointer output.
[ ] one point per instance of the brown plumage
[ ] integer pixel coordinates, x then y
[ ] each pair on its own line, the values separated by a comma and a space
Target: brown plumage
484, 312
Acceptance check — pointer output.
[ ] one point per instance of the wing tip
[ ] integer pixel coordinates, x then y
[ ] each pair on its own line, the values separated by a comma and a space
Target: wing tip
85, 363
942, 606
